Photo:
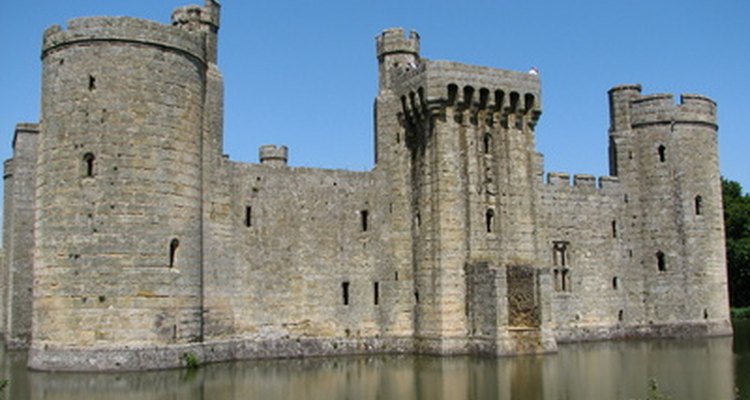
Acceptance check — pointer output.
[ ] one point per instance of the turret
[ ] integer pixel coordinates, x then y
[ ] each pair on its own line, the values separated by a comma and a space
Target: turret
396, 54
273, 156
201, 19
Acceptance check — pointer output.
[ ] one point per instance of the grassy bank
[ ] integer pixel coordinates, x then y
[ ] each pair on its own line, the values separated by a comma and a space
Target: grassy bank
741, 313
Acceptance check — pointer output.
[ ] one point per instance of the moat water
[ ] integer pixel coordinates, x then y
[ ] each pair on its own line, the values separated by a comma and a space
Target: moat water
684, 369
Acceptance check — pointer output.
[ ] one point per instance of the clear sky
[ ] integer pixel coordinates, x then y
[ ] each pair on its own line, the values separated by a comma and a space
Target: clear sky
303, 73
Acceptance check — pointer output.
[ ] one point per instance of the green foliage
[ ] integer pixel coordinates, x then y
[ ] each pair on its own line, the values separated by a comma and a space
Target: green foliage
191, 360
741, 313
737, 225
3, 385
654, 393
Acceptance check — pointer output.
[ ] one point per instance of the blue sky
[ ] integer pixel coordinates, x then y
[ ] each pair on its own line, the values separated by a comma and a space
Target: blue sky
303, 73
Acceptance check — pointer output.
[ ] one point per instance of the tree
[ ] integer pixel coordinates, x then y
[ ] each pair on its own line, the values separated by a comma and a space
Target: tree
737, 225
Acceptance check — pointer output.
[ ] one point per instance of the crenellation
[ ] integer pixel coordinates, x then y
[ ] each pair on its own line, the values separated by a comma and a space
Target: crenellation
130, 238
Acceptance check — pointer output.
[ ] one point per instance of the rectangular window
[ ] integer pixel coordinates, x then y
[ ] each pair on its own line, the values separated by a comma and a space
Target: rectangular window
376, 292
363, 215
248, 216
345, 292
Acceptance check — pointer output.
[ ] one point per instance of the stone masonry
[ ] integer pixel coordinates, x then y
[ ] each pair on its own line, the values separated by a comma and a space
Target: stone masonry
130, 240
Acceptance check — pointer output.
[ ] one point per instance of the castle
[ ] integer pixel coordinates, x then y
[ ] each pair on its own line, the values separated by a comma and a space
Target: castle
131, 241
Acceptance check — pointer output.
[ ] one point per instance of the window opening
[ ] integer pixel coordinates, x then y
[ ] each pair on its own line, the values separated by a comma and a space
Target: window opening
363, 216
620, 315
487, 143
560, 253
698, 205
173, 245
565, 280
92, 83
376, 292
662, 153
488, 219
345, 292
661, 262
88, 164
615, 283
248, 216
614, 229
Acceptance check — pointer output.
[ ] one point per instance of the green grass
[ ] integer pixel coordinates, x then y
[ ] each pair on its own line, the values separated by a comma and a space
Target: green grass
741, 313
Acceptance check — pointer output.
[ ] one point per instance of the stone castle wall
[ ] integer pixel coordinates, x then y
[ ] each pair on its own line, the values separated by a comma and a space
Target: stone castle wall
144, 243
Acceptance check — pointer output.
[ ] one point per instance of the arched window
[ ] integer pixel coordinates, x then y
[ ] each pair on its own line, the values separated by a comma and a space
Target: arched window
661, 261
88, 164
698, 205
488, 219
662, 153
173, 245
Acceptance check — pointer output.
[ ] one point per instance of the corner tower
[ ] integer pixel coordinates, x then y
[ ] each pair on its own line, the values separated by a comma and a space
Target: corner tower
666, 156
119, 191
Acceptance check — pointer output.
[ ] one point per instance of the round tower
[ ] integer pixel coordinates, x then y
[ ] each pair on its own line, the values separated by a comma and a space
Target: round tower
118, 221
676, 153
396, 53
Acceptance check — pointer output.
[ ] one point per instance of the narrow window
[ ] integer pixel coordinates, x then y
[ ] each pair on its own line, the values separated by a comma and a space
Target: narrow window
248, 216
558, 283
88, 165
363, 216
416, 296
662, 153
705, 313
661, 262
614, 229
173, 245
92, 83
698, 205
488, 217
620, 315
376, 292
487, 143
615, 283
345, 292
566, 280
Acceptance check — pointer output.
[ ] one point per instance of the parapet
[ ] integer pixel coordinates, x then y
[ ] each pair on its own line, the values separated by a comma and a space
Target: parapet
123, 29
29, 128
661, 109
393, 40
274, 156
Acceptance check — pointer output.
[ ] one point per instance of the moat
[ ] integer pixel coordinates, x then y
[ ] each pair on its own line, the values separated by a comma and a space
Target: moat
684, 369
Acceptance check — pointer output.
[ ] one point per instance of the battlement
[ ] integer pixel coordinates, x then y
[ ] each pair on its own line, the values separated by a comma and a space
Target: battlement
661, 109
271, 155
443, 83
393, 40
123, 29
581, 181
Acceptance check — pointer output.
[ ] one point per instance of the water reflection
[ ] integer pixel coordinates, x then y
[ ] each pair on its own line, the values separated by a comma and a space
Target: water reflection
688, 369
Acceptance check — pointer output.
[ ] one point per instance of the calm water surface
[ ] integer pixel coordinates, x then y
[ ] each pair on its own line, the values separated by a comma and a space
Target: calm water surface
685, 369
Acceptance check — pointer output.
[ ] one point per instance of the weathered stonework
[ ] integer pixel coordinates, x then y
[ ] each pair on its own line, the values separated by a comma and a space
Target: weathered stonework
130, 240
